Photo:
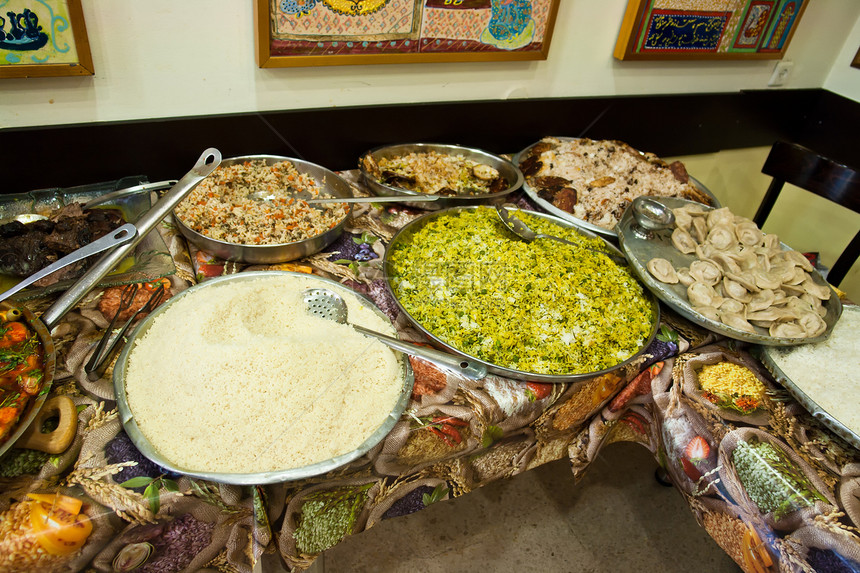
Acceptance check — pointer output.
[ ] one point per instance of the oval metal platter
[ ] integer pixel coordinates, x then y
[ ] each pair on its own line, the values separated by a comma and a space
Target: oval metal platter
259, 478
561, 213
639, 251
414, 226
506, 169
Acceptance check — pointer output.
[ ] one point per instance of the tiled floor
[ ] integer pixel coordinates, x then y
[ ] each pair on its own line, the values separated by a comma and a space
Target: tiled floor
617, 519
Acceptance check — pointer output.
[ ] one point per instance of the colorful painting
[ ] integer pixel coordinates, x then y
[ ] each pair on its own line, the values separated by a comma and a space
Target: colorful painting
335, 32
43, 38
707, 29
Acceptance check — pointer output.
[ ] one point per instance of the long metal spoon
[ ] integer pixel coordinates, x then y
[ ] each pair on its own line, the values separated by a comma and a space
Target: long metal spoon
266, 196
518, 227
386, 199
327, 304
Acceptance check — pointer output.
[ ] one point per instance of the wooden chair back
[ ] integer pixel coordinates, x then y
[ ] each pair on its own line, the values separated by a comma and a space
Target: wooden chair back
802, 167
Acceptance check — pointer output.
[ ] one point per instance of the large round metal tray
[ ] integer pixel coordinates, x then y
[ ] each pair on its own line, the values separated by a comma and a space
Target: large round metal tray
130, 424
639, 251
329, 182
48, 367
550, 208
416, 225
506, 169
767, 356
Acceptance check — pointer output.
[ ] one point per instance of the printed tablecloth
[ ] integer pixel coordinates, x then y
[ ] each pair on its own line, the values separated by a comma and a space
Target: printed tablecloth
775, 489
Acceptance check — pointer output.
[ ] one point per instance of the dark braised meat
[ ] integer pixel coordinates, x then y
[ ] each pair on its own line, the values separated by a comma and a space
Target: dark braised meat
550, 183
565, 199
26, 249
498, 185
530, 165
679, 171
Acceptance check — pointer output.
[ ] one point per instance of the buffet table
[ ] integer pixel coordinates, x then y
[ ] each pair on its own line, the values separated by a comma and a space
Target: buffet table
456, 435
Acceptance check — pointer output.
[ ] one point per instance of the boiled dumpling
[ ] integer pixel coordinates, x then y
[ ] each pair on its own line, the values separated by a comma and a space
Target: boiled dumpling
721, 237
662, 270
701, 294
761, 300
699, 229
683, 241
737, 321
706, 272
818, 291
786, 330
736, 290
684, 276
748, 233
720, 217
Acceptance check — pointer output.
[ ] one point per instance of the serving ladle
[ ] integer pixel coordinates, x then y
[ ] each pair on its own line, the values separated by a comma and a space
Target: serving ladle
519, 228
330, 305
266, 196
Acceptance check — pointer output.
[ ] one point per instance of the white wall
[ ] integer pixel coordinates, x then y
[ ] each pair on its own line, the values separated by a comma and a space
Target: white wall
168, 58
843, 79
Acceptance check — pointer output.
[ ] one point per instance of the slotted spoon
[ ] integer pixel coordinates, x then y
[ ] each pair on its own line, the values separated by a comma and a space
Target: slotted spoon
327, 304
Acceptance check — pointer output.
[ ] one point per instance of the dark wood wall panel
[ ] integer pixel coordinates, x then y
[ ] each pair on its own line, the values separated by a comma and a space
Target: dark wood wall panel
685, 124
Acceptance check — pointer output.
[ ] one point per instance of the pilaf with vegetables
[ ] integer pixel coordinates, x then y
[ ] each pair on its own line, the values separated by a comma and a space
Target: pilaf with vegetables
221, 207
436, 173
540, 307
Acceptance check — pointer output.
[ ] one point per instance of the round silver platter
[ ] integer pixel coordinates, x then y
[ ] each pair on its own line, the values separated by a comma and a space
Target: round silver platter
506, 169
581, 223
257, 478
406, 233
640, 250
328, 181
766, 355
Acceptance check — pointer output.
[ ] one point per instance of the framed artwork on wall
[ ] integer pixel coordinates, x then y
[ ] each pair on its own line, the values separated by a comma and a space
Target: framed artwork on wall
41, 38
342, 32
724, 29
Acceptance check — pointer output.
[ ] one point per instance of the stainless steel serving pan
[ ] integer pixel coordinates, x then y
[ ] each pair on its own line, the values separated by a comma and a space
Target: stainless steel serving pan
207, 163
328, 181
639, 251
406, 233
256, 478
506, 169
767, 356
570, 217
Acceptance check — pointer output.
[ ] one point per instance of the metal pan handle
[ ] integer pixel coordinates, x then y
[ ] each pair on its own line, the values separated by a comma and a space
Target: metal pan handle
206, 164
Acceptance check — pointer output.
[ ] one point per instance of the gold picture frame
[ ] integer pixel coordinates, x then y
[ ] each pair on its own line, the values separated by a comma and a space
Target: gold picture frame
727, 30
46, 39
524, 35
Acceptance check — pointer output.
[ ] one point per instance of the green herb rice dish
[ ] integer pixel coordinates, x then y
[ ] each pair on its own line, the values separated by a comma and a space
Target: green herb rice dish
542, 307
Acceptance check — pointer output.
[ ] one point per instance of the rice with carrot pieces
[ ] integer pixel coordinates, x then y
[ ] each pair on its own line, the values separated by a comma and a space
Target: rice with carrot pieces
221, 207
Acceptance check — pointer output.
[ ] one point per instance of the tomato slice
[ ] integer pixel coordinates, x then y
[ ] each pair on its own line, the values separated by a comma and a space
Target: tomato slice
57, 500
59, 532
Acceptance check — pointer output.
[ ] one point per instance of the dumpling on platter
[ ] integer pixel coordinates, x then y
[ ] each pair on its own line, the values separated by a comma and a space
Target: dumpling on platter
721, 237
684, 276
735, 320
662, 270
748, 233
702, 294
706, 272
720, 217
683, 241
